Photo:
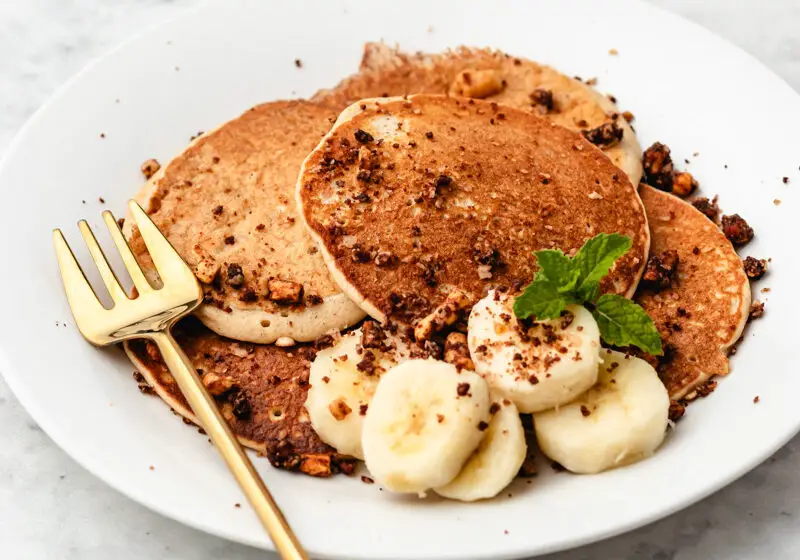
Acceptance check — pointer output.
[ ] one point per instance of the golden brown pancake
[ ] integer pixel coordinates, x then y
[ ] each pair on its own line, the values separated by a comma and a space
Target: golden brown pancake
494, 76
410, 199
227, 205
265, 407
702, 315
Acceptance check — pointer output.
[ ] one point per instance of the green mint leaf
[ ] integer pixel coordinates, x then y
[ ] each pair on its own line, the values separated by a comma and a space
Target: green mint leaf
542, 300
596, 257
588, 291
624, 323
557, 268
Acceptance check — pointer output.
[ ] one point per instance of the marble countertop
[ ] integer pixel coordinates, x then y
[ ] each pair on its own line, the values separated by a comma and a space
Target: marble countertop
52, 508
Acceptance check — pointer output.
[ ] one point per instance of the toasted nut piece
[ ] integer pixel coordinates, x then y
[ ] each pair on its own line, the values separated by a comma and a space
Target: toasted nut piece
372, 335
658, 168
150, 167
676, 410
660, 270
755, 268
542, 99
216, 384
683, 184
736, 229
206, 270
339, 409
456, 351
708, 207
284, 291
316, 465
604, 136
477, 83
235, 275
447, 313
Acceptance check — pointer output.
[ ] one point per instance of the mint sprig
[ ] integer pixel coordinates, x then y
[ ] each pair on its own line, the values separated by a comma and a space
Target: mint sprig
562, 280
624, 323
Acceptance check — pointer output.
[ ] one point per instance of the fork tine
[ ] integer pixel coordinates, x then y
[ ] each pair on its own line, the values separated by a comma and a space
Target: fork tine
168, 262
80, 295
130, 262
108, 276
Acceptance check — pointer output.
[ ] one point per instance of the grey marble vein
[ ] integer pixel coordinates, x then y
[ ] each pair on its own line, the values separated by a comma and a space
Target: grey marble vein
51, 508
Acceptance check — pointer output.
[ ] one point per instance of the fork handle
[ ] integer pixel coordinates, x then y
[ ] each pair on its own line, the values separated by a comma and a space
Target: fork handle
205, 408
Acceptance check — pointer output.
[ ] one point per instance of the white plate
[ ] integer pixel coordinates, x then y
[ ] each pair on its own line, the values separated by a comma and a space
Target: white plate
686, 87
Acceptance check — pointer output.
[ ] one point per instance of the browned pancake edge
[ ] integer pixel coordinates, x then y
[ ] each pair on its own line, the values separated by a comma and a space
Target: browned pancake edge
704, 312
273, 383
387, 71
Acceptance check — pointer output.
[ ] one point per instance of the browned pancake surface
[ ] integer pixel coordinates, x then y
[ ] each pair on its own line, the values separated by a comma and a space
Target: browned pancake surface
450, 193
386, 71
704, 312
273, 383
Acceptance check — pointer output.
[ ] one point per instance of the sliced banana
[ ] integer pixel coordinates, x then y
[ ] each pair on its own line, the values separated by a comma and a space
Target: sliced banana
497, 460
539, 365
341, 389
621, 420
424, 422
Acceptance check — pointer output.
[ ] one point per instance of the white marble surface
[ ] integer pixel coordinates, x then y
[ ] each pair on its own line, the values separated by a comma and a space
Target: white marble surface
50, 508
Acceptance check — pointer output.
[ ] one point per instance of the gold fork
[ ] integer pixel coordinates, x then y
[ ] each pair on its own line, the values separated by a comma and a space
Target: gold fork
151, 315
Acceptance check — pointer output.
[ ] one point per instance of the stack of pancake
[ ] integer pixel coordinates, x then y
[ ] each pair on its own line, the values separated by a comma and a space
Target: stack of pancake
418, 176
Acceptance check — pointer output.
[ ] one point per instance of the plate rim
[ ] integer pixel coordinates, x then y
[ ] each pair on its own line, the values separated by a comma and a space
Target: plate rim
50, 426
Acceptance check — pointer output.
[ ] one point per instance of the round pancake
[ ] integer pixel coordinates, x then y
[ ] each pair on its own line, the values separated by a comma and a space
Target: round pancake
227, 205
410, 199
703, 314
272, 380
386, 71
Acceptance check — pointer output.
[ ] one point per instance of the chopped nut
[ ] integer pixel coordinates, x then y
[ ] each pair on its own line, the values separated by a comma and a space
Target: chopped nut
217, 385
736, 229
755, 268
367, 364
478, 84
285, 291
234, 275
363, 137
445, 314
542, 99
372, 335
385, 258
708, 207
676, 410
150, 167
683, 183
206, 270
456, 351
314, 299
658, 168
241, 406
756, 310
605, 136
628, 116
339, 409
660, 270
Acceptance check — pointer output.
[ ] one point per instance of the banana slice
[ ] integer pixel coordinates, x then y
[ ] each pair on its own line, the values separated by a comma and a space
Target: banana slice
539, 365
621, 420
424, 422
496, 461
343, 379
